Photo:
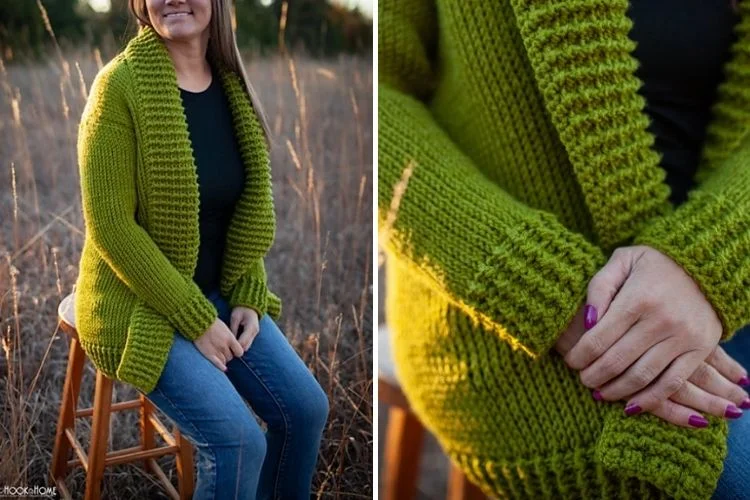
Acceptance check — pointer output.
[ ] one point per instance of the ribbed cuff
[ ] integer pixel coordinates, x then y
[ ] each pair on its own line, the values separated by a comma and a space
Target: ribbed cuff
194, 318
534, 282
249, 292
686, 463
709, 237
273, 303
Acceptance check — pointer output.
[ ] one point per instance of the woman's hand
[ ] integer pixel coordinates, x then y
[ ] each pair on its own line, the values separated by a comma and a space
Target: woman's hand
655, 326
249, 318
218, 344
710, 389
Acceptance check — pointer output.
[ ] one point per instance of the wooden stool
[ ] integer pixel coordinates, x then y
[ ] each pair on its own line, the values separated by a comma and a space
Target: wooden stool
404, 438
98, 457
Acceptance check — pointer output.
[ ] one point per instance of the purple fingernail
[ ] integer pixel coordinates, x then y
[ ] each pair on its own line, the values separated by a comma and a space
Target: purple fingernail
632, 409
744, 381
597, 395
589, 316
697, 421
745, 404
732, 412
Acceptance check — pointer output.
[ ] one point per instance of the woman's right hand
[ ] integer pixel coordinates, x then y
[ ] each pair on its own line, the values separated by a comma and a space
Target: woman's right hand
709, 389
218, 344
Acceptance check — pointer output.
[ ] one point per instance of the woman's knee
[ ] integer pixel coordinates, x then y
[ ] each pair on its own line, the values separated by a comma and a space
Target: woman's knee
311, 408
244, 441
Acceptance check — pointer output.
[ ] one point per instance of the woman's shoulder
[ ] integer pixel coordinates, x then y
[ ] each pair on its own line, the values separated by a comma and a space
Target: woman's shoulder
110, 91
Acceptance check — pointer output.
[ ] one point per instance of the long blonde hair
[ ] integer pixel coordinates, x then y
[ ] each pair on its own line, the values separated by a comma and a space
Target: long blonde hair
222, 48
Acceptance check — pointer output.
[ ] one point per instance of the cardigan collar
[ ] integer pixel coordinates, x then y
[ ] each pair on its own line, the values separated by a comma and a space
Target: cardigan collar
583, 63
168, 157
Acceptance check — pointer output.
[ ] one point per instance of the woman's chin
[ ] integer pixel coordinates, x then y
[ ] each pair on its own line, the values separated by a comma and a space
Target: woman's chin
177, 33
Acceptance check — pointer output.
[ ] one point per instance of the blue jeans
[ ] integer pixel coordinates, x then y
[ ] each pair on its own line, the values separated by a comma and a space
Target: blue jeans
236, 458
734, 482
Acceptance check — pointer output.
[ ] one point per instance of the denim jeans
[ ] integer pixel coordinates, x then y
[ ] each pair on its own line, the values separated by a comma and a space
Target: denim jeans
235, 457
734, 482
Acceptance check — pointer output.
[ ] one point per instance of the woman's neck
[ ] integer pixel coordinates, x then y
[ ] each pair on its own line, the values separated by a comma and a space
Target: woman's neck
191, 66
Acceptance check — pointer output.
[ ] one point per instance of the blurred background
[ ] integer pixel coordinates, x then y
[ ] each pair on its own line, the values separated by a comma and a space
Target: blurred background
311, 64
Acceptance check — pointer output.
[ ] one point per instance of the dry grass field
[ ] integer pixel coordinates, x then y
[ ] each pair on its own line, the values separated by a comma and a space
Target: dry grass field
321, 262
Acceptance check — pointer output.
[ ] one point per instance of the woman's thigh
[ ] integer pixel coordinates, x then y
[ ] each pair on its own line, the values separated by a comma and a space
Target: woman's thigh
197, 396
272, 377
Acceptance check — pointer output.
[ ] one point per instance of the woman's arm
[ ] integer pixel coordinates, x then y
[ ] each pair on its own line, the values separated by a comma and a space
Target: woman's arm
107, 153
516, 268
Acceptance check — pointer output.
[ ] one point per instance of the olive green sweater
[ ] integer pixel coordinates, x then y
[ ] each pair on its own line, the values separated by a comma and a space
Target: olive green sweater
139, 194
513, 158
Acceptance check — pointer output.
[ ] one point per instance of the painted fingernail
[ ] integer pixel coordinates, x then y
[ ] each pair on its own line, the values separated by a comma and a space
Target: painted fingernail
732, 412
744, 381
697, 421
597, 395
745, 404
589, 316
632, 409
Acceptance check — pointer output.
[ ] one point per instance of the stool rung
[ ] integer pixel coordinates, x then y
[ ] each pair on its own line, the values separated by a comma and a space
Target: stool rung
165, 434
130, 455
82, 457
164, 479
123, 405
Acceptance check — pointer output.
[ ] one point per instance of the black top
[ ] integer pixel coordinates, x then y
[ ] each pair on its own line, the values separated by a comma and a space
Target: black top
682, 46
221, 175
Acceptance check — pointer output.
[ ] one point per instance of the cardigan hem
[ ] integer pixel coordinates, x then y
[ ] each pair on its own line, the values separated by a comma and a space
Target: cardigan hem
563, 474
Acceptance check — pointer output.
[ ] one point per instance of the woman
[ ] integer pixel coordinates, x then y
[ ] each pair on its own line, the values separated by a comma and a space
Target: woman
565, 217
167, 281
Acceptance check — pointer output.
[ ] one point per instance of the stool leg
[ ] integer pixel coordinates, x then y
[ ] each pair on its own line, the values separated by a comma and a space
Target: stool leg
68, 406
99, 436
147, 430
460, 488
184, 463
403, 448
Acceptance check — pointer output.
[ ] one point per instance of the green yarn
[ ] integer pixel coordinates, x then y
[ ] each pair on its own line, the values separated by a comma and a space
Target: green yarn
139, 193
513, 158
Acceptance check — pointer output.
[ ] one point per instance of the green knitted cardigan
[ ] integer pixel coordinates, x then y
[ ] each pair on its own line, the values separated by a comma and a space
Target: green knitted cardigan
513, 158
139, 193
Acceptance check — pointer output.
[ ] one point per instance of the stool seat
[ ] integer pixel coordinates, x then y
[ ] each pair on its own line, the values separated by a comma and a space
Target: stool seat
98, 457
386, 365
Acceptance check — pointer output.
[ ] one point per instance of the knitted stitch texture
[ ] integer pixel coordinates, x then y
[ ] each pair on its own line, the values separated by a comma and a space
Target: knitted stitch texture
514, 157
139, 194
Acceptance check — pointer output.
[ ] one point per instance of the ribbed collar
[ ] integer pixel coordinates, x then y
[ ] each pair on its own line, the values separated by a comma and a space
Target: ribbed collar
584, 65
170, 174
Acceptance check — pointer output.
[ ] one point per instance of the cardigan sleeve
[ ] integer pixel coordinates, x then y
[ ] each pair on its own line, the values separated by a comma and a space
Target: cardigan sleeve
516, 268
709, 236
107, 153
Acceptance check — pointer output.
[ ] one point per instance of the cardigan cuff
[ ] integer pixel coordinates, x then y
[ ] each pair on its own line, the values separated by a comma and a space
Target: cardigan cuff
534, 282
250, 291
709, 237
194, 318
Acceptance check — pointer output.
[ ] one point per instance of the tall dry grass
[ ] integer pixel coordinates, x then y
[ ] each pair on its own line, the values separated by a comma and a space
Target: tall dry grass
320, 264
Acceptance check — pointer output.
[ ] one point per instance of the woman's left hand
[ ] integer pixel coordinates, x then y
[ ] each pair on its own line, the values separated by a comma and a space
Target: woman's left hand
249, 318
653, 318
